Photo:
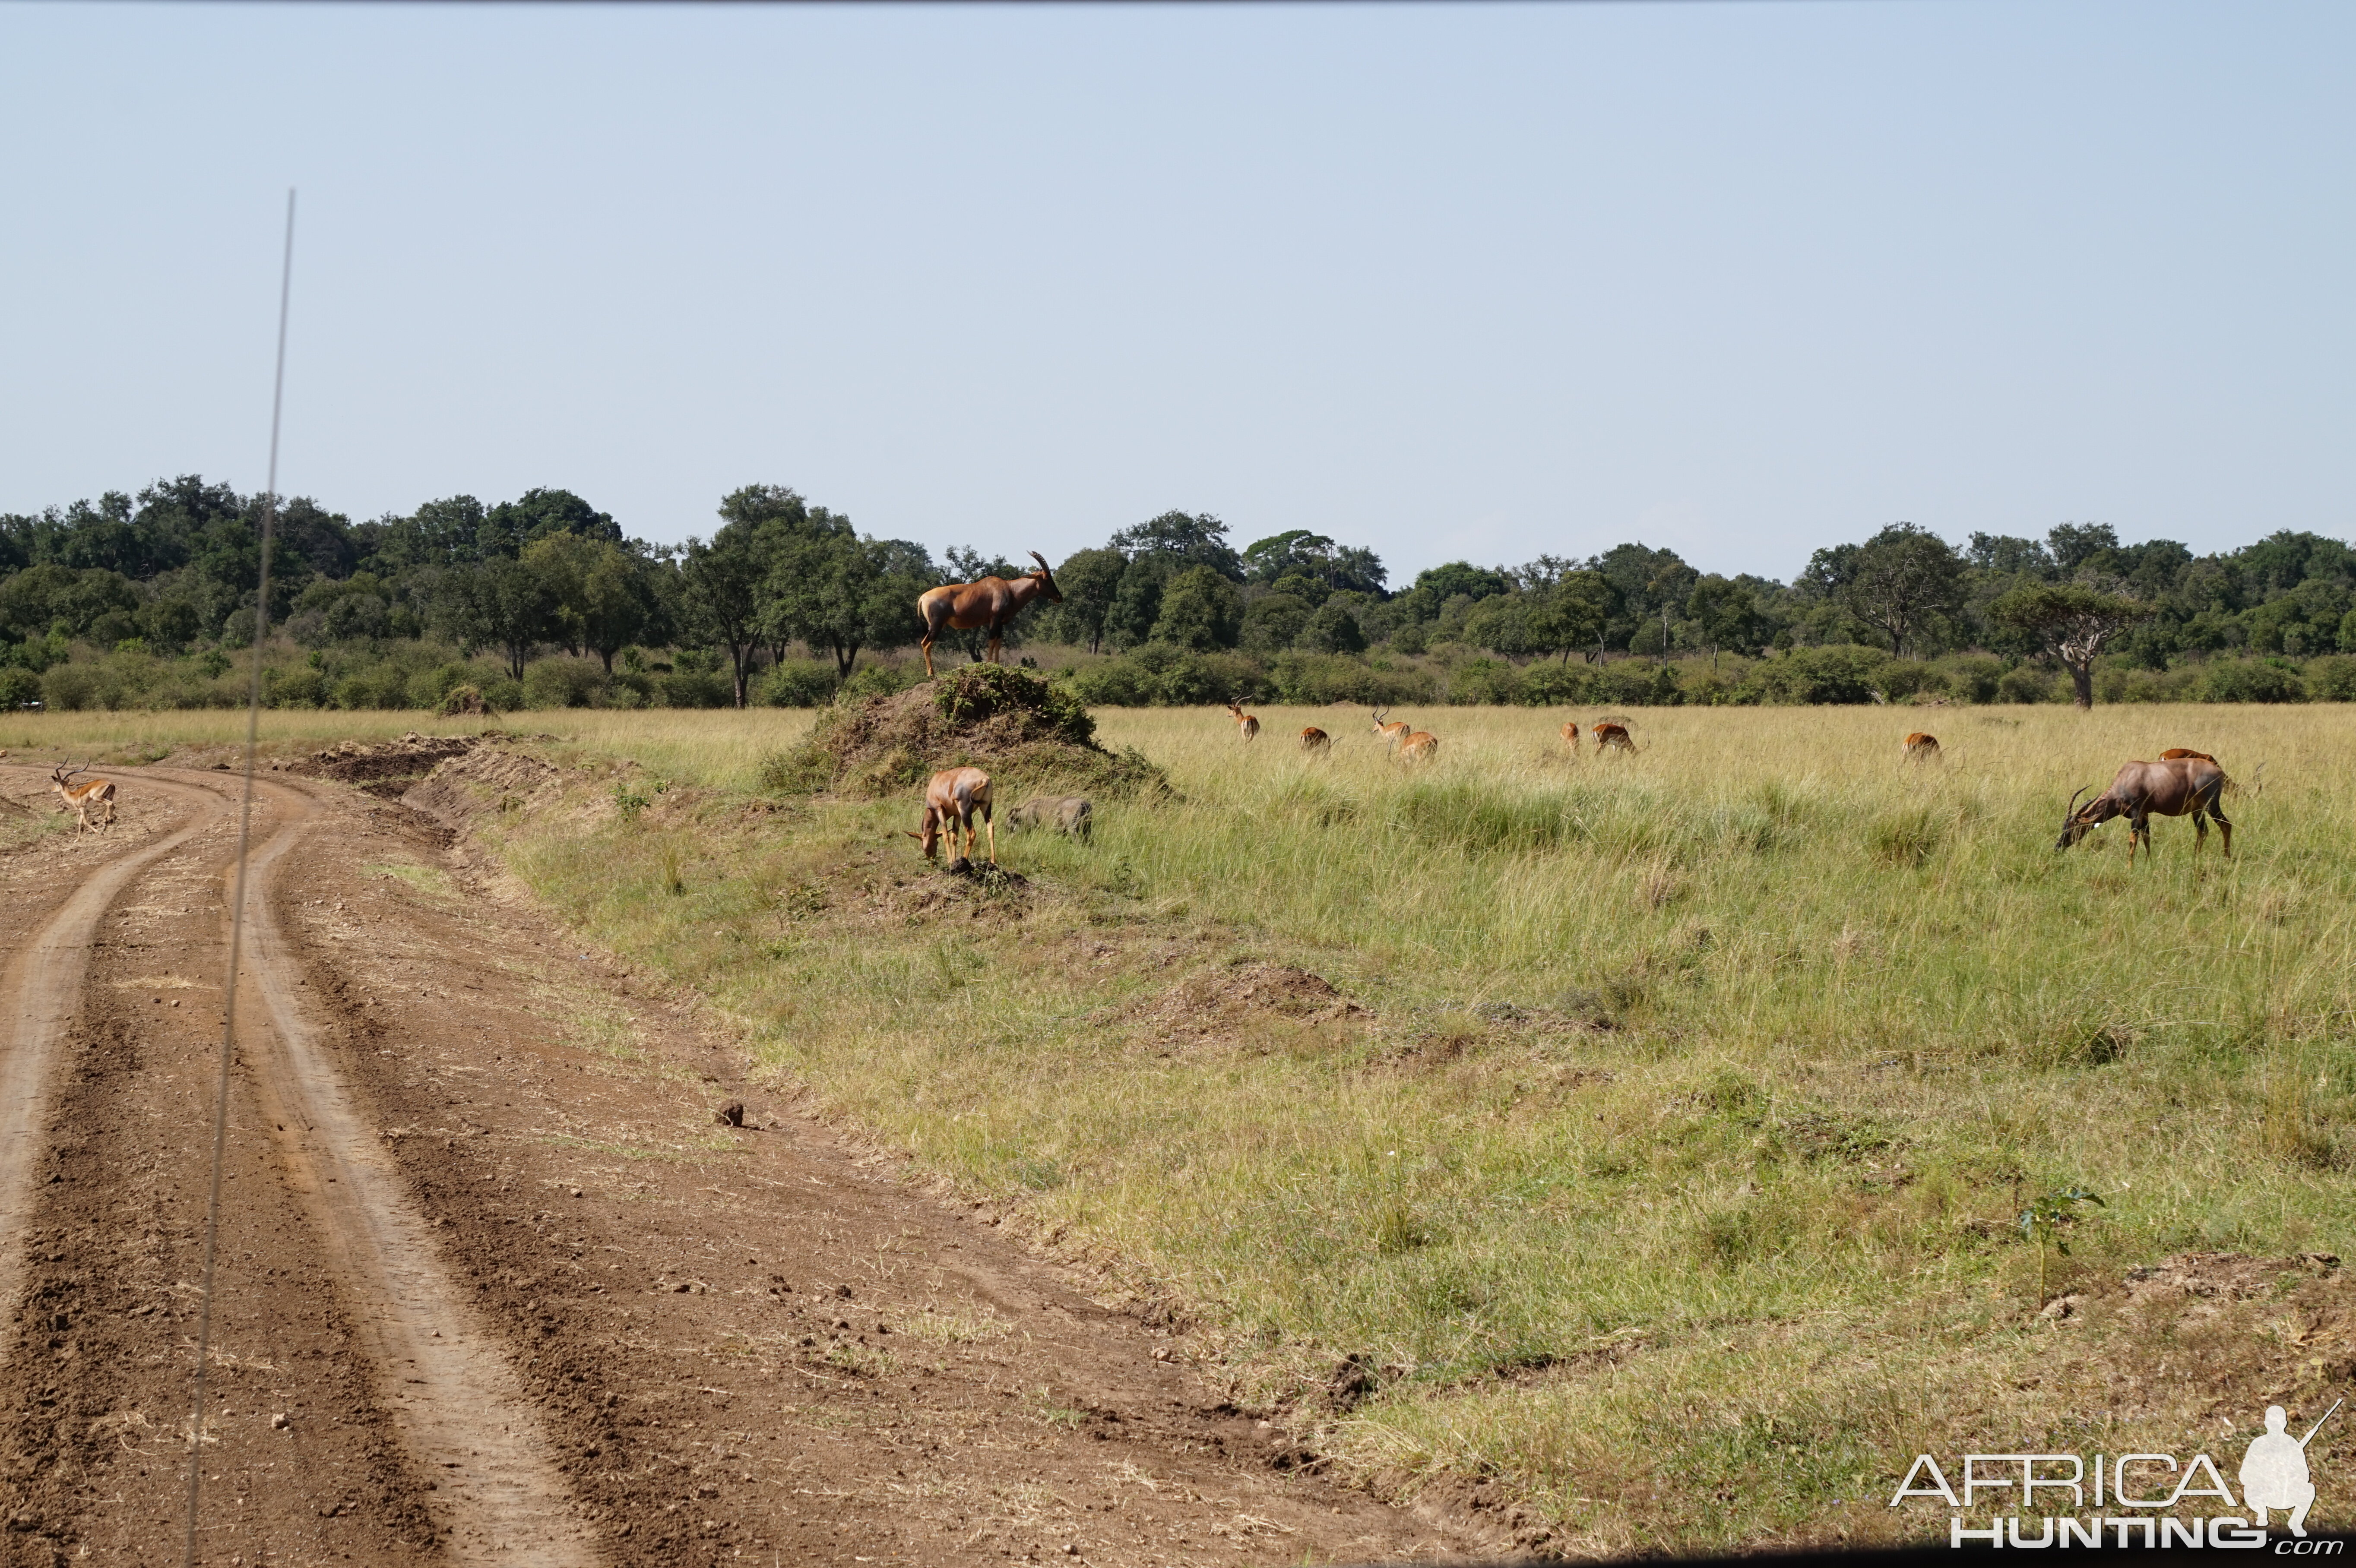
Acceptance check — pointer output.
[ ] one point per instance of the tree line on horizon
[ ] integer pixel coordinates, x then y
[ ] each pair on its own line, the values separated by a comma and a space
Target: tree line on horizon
174, 569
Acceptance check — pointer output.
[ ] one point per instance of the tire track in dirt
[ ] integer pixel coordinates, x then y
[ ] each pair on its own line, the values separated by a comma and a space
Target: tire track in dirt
461, 1413
42, 985
315, 1451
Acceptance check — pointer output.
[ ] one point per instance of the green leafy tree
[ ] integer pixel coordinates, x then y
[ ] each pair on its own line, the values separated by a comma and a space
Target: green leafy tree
722, 593
1090, 580
604, 600
1333, 628
1200, 609
838, 592
2075, 622
1904, 582
500, 604
1273, 621
512, 526
1727, 614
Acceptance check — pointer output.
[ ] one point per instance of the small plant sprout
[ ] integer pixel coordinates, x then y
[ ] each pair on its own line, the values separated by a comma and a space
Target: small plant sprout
2042, 1221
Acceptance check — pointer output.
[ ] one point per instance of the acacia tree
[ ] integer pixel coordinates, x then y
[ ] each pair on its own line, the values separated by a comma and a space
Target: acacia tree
2073, 620
503, 604
841, 593
721, 585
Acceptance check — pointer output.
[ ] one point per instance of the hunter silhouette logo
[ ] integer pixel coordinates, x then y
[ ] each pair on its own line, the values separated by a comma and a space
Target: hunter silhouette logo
2274, 1472
2129, 1499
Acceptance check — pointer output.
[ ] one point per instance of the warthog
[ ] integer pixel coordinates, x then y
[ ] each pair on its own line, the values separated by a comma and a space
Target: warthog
1068, 814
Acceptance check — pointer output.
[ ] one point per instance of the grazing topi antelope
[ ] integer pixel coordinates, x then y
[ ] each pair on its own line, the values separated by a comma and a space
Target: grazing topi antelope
81, 797
2141, 791
2175, 751
1245, 723
1315, 740
1612, 737
1571, 734
992, 603
950, 800
1921, 748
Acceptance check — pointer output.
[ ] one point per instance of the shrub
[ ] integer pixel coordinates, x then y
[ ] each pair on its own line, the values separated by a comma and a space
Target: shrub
18, 686
2026, 683
2250, 681
694, 688
1545, 684
1975, 678
799, 683
2332, 678
383, 686
1485, 680
1314, 679
564, 683
302, 687
504, 693
1829, 675
880, 680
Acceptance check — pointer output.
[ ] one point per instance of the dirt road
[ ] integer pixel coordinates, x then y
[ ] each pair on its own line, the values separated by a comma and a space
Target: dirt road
495, 1283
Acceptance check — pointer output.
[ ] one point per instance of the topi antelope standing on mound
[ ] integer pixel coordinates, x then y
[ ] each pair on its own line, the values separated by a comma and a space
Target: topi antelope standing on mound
1245, 724
1921, 748
2173, 787
951, 798
993, 602
83, 798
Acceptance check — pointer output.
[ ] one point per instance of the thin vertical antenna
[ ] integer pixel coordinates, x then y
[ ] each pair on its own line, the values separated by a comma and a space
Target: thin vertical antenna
237, 899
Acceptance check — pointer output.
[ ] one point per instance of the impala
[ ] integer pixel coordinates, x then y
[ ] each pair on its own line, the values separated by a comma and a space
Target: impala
1921, 748
1611, 737
1393, 732
1246, 725
82, 798
1571, 734
993, 602
1418, 746
2171, 787
1315, 740
951, 798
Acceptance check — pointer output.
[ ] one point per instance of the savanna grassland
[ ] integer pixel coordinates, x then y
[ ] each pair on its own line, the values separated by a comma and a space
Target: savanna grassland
1651, 1166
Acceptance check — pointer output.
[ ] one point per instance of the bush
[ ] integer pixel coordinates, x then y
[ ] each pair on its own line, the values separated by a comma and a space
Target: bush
70, 687
564, 683
300, 688
2332, 678
1314, 679
694, 688
881, 680
1828, 675
18, 686
383, 686
503, 694
1158, 675
1485, 680
798, 683
1974, 677
2026, 683
1549, 684
2250, 681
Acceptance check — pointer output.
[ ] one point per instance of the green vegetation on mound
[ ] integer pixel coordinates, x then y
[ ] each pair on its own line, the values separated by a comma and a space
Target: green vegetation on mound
1023, 731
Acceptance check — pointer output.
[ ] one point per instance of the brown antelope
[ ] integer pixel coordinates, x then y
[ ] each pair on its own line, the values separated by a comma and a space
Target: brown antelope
1612, 737
1392, 732
1571, 734
993, 602
950, 800
2173, 752
1921, 748
81, 797
1418, 746
1315, 740
2141, 791
1246, 725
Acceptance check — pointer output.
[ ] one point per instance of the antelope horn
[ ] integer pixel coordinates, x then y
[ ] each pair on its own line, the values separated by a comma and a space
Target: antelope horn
1040, 559
2070, 813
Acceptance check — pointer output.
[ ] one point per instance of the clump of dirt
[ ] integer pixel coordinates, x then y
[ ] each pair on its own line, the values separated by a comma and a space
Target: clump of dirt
2231, 1277
410, 757
1007, 721
1219, 1002
484, 775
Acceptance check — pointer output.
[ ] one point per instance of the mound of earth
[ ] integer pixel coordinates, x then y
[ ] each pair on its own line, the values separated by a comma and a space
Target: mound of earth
410, 757
1018, 728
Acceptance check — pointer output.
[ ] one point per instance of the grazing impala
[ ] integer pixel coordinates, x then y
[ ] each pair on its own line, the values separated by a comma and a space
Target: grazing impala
1418, 746
992, 603
1921, 748
81, 798
950, 800
1248, 726
1571, 734
1392, 732
2140, 791
1315, 740
1612, 737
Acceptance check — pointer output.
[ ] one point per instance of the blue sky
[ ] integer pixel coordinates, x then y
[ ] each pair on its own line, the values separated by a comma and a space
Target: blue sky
1479, 281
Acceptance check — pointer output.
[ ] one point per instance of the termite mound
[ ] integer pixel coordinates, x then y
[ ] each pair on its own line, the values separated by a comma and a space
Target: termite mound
1026, 732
